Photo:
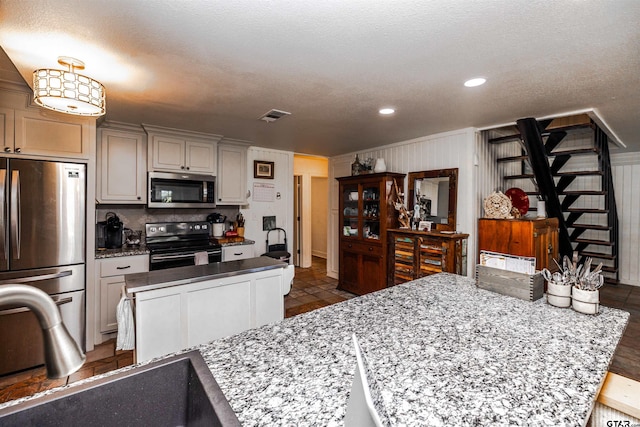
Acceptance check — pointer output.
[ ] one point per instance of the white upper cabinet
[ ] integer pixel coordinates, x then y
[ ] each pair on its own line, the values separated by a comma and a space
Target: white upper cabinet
231, 181
175, 150
121, 164
41, 132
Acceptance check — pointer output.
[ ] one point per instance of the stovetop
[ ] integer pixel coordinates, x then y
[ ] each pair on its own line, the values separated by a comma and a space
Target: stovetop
167, 237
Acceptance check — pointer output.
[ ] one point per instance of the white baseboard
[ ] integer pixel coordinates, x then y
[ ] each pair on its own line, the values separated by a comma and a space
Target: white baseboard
319, 254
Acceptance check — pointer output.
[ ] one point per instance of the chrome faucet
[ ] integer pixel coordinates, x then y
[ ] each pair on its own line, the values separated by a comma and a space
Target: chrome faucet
62, 354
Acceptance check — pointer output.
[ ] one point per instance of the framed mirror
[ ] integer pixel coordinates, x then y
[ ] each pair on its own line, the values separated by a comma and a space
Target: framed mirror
435, 192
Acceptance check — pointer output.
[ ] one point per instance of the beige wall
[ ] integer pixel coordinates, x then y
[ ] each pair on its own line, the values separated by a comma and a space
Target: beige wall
319, 209
309, 167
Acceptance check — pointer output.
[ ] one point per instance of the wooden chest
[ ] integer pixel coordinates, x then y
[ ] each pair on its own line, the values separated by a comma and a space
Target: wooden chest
523, 237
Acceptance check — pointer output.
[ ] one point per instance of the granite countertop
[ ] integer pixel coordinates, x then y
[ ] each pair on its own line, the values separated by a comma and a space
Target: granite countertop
229, 242
142, 249
158, 279
123, 251
442, 351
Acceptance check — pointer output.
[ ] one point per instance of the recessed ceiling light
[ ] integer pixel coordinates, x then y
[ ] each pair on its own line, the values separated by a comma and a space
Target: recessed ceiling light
386, 111
475, 82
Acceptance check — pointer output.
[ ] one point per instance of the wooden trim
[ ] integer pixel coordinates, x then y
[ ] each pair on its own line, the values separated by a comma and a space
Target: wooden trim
621, 393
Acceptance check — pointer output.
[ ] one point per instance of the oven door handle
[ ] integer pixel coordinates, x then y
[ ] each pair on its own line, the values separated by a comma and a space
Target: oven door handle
58, 300
180, 256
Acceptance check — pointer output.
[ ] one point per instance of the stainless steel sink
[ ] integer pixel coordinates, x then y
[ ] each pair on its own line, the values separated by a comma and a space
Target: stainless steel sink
177, 391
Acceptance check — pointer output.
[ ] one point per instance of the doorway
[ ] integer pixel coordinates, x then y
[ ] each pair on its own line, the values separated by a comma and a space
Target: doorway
310, 208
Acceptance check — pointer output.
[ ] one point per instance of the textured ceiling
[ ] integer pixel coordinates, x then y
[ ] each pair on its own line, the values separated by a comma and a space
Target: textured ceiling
214, 66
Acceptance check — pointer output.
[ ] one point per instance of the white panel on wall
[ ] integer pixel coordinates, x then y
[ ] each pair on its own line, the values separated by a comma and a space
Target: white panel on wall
626, 175
281, 207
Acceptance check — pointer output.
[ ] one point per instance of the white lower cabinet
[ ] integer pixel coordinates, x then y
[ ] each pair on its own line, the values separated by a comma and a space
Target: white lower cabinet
110, 279
231, 253
178, 317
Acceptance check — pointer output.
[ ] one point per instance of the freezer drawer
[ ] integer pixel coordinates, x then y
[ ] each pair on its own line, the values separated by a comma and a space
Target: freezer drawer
55, 280
21, 337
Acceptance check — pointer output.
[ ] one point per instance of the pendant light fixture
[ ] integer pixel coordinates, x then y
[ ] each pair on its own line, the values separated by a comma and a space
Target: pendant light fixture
67, 91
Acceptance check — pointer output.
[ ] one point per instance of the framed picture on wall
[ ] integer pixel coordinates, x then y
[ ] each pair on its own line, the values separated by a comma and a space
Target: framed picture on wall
262, 169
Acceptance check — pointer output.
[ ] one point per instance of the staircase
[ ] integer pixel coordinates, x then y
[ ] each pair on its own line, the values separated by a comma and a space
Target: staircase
567, 164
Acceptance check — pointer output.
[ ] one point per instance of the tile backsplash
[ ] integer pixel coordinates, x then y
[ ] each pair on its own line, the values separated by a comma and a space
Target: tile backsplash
135, 217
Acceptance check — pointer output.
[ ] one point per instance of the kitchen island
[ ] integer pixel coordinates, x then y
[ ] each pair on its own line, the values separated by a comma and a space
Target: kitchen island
443, 352
182, 307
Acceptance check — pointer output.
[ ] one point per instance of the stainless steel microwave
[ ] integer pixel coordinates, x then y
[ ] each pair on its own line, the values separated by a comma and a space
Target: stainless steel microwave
181, 190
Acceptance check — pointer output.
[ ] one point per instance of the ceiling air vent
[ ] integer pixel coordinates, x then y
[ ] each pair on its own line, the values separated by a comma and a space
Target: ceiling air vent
273, 115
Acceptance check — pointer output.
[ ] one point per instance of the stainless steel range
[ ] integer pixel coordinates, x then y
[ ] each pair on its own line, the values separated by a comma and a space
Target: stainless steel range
175, 244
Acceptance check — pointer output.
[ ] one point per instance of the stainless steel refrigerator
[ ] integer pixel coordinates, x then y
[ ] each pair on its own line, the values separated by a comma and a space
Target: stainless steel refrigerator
42, 244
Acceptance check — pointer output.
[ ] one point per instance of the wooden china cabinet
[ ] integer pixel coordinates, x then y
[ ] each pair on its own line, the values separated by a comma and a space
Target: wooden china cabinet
366, 213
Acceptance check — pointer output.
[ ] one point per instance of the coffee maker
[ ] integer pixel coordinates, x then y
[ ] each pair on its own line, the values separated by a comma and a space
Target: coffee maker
110, 232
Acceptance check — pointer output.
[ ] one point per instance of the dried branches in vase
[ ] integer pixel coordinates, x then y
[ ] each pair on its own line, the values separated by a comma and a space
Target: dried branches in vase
404, 216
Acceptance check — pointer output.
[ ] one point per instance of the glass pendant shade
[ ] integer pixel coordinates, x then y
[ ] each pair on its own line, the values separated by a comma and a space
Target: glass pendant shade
67, 91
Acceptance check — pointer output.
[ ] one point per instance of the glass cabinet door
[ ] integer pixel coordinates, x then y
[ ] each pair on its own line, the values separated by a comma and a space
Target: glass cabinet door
371, 212
350, 198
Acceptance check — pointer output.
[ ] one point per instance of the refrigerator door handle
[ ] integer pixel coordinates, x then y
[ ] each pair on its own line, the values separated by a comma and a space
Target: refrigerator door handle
15, 214
3, 204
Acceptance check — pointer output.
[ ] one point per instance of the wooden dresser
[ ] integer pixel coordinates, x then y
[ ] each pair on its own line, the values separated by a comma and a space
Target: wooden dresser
422, 253
523, 237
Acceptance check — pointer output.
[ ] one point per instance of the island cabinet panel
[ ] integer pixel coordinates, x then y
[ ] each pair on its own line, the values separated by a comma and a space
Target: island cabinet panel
176, 317
268, 300
523, 237
158, 325
226, 310
415, 254
366, 212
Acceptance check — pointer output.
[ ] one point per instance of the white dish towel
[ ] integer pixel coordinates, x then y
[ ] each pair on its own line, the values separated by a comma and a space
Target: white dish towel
126, 329
202, 258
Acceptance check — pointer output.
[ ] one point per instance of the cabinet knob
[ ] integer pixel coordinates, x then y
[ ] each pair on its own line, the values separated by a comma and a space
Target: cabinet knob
181, 167
370, 249
349, 245
7, 149
187, 167
18, 149
139, 198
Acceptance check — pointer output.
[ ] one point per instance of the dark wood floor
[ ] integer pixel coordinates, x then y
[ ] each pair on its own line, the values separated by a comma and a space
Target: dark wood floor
312, 289
626, 360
